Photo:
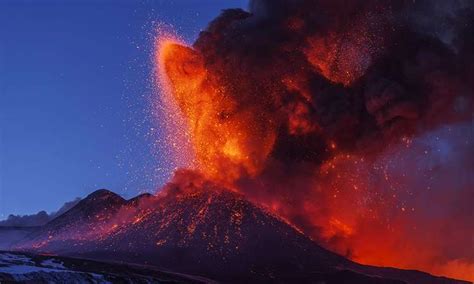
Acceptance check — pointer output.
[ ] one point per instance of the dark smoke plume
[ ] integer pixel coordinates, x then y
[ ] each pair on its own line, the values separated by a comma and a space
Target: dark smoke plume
354, 74
371, 107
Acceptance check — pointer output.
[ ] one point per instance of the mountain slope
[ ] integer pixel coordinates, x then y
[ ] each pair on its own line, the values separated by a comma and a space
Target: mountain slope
11, 234
79, 224
198, 228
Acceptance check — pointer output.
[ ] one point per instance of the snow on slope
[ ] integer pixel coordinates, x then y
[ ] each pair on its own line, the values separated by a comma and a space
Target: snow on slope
31, 268
22, 268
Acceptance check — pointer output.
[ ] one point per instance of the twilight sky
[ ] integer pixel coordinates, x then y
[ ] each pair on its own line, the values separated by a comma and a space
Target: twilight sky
74, 96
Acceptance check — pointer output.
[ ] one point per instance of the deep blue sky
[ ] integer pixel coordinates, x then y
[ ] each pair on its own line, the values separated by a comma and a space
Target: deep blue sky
74, 96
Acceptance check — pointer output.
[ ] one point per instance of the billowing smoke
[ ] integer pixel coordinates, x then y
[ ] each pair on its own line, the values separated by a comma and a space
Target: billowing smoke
351, 119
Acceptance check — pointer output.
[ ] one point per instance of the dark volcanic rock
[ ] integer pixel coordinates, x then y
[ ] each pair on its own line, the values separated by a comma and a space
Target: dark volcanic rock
140, 199
101, 204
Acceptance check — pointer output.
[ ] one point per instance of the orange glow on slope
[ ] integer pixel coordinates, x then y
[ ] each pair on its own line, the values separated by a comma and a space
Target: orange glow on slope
226, 141
369, 221
376, 225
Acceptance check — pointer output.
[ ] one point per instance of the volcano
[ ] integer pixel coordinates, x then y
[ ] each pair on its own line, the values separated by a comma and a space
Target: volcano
199, 228
349, 120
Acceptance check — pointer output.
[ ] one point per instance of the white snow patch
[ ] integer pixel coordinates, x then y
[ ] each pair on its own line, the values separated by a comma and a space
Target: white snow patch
53, 263
19, 266
24, 269
14, 258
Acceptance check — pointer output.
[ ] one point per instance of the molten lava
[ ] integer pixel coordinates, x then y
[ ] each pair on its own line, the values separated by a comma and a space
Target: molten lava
227, 141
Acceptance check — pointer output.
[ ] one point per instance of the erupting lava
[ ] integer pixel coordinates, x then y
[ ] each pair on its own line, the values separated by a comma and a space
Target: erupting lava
227, 141
347, 120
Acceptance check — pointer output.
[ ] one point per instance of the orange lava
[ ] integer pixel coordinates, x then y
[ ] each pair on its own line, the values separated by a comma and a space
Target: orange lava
225, 139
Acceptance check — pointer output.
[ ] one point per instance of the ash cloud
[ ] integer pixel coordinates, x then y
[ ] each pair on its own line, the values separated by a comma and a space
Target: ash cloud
352, 74
370, 104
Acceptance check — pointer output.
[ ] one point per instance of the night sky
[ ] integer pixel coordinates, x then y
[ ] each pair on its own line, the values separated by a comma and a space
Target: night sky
75, 89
